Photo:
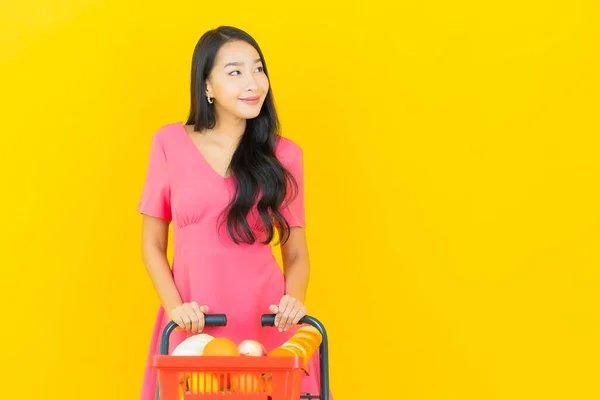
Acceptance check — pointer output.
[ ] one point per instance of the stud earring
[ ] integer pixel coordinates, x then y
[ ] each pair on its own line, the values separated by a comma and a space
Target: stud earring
210, 100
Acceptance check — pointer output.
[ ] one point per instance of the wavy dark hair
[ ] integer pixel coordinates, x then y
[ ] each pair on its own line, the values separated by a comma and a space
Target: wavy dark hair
254, 167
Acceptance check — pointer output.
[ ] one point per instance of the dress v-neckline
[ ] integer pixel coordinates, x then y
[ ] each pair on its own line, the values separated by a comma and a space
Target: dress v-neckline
201, 156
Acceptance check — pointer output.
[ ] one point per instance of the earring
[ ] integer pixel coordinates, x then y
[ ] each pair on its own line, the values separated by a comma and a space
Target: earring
210, 100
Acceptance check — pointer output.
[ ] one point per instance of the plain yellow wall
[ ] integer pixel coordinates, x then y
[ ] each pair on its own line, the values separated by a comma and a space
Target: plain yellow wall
452, 172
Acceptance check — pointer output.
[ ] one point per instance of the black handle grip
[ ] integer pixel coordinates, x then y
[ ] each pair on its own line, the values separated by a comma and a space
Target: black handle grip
269, 320
215, 320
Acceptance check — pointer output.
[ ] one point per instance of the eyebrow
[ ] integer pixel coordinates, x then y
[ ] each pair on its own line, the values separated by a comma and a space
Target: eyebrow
238, 63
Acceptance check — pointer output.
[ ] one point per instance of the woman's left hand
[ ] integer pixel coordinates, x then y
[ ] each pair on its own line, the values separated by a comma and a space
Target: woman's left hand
288, 312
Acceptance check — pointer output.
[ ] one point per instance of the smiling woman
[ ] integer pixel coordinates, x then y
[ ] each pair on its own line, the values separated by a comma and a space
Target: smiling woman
229, 70
228, 182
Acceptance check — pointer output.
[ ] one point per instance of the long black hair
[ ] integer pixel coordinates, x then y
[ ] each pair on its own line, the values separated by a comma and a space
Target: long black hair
254, 167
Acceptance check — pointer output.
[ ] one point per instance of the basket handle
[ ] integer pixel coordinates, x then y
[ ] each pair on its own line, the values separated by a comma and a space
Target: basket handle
209, 320
269, 320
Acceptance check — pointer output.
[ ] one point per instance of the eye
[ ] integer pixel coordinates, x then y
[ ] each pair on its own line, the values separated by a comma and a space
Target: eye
233, 72
260, 69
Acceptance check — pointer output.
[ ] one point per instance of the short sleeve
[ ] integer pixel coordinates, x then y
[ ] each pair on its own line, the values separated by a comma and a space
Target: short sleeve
293, 208
155, 200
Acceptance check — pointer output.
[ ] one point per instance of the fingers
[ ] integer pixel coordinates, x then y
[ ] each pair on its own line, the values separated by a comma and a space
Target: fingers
187, 322
301, 313
198, 322
285, 320
283, 303
176, 315
289, 312
179, 321
289, 317
202, 310
189, 316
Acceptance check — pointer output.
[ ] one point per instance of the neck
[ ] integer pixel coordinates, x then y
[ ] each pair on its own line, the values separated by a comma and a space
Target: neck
229, 126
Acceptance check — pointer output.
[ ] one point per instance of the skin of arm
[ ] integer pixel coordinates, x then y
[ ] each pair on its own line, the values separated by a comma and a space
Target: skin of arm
155, 234
296, 264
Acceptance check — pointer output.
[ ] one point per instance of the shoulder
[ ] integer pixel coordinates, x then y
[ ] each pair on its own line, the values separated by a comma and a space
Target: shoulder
166, 139
167, 133
288, 151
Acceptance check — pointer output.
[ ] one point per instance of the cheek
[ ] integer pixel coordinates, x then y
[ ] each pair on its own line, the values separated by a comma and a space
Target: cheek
230, 90
263, 82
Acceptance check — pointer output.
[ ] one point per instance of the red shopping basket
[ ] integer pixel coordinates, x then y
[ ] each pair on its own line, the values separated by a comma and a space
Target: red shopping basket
236, 377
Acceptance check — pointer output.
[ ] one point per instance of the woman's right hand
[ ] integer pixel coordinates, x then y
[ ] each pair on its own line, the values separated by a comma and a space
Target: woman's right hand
189, 316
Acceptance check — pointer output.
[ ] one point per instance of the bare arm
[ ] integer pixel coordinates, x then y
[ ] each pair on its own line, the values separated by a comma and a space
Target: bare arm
296, 264
296, 270
155, 233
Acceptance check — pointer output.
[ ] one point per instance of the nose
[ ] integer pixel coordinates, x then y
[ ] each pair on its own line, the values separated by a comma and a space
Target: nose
251, 83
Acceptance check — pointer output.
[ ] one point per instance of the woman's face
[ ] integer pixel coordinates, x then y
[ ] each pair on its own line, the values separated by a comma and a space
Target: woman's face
237, 84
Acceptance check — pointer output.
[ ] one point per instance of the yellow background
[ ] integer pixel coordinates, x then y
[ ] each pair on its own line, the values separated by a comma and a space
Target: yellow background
451, 174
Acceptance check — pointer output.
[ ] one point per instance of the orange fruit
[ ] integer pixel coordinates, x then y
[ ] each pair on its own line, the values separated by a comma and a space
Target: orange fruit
220, 347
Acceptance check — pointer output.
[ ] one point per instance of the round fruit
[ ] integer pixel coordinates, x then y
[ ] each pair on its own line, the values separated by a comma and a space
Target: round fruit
220, 347
251, 348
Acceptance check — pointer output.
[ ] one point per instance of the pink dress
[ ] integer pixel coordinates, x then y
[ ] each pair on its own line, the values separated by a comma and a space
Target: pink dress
241, 281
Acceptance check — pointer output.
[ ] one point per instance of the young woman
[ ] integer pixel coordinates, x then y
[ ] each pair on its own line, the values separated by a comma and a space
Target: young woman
229, 184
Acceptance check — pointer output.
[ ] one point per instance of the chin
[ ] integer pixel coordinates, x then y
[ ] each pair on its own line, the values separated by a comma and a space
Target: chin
248, 114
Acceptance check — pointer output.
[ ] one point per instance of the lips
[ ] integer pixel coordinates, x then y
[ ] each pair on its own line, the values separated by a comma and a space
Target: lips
251, 100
